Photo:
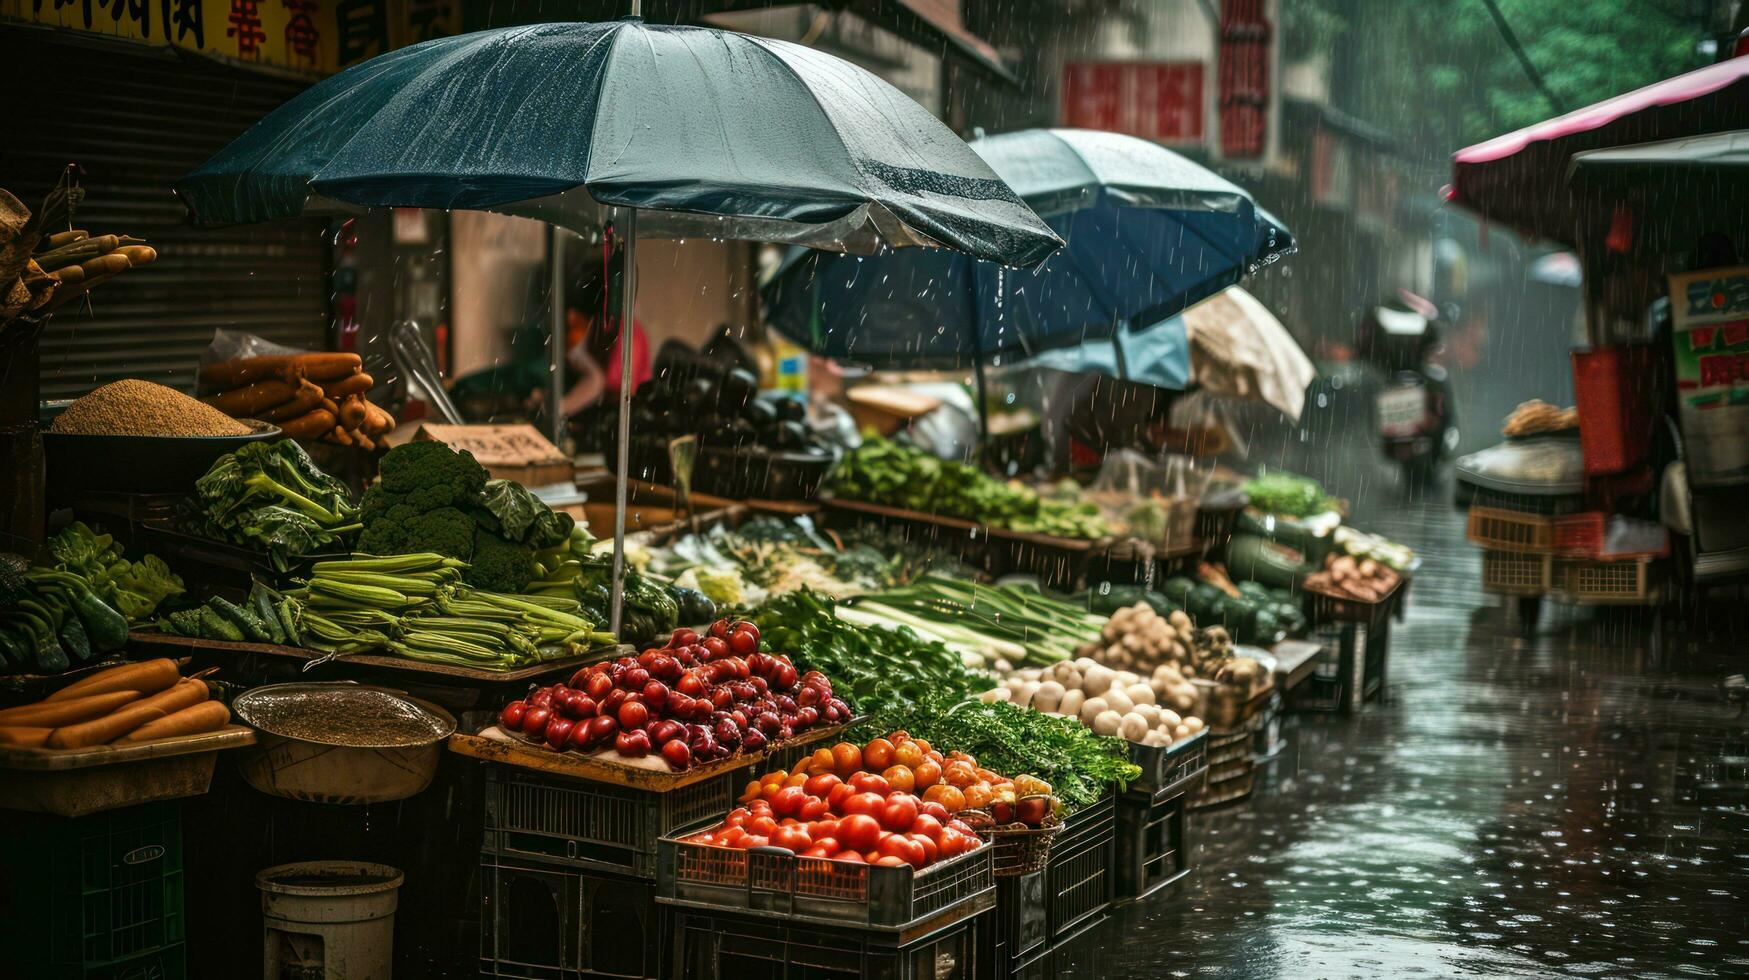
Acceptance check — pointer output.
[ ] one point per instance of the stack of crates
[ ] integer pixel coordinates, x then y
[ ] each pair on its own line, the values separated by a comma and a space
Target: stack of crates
96, 897
1518, 550
1527, 554
1152, 850
1080, 875
568, 873
770, 913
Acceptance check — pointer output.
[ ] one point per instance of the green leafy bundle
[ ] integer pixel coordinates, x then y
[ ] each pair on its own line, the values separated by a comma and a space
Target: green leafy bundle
1281, 492
272, 495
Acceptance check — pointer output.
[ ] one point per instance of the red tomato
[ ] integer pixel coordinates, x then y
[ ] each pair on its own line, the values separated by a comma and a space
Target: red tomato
813, 808
934, 809
864, 803
762, 825
963, 827
928, 826
731, 837
872, 857
890, 861
930, 851
903, 848
820, 851
820, 829
859, 831
793, 838
899, 815
751, 841
822, 784
738, 816
868, 782
838, 795
760, 808
853, 857
788, 801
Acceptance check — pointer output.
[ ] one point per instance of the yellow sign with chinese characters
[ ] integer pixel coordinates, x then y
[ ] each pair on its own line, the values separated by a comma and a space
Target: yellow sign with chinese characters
314, 37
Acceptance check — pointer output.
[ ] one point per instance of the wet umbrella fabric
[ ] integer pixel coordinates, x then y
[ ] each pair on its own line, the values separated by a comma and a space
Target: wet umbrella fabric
708, 132
1148, 234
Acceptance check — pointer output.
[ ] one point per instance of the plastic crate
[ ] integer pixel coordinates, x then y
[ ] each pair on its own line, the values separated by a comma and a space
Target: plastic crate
551, 922
1580, 535
1019, 939
1168, 769
724, 946
587, 824
1628, 582
1078, 879
165, 963
1228, 746
1229, 783
1610, 392
109, 889
774, 882
1500, 529
1510, 573
1151, 848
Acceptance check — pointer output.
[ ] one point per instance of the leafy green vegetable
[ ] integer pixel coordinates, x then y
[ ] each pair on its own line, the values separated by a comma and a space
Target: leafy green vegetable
272, 495
522, 517
1281, 492
1047, 629
1078, 764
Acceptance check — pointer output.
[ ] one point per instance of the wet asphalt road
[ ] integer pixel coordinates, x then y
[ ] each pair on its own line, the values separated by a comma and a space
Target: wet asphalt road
1514, 808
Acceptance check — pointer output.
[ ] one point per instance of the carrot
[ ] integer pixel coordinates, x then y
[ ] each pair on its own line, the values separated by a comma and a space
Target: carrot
329, 367
352, 412
70, 711
354, 384
308, 397
102, 731
104, 265
309, 425
24, 738
207, 716
69, 274
250, 399
146, 677
363, 441
341, 436
138, 255
61, 238
377, 420
237, 372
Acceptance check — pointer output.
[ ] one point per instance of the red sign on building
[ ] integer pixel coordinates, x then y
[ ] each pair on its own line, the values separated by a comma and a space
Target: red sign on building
1155, 100
1246, 46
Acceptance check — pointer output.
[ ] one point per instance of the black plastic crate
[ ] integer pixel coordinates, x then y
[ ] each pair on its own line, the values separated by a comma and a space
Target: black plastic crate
1078, 878
776, 883
587, 824
720, 946
551, 922
1019, 939
1152, 851
165, 963
1168, 769
108, 890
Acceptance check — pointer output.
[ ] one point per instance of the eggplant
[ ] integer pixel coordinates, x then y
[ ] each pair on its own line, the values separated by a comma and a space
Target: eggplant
791, 410
761, 413
791, 436
736, 389
700, 396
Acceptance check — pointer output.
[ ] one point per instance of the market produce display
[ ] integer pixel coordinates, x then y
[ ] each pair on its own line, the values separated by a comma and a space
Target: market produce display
886, 472
54, 618
138, 702
309, 396
1111, 702
1074, 761
649, 609
431, 498
1280, 492
694, 701
1379, 548
1363, 579
141, 408
993, 626
41, 270
720, 405
876, 669
272, 496
1250, 611
765, 556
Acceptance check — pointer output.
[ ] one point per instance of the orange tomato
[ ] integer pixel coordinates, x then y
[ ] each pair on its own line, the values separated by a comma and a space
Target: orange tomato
796, 779
950, 797
822, 761
751, 792
987, 776
960, 774
775, 776
868, 782
922, 746
878, 754
907, 754
978, 796
846, 759
769, 790
900, 778
899, 736
1031, 786
925, 774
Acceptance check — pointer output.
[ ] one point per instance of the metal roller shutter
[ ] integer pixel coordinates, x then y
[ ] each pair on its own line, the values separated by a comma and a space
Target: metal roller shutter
135, 119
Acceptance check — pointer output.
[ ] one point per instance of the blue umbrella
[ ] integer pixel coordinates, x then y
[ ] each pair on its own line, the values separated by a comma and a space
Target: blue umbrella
1149, 233
702, 132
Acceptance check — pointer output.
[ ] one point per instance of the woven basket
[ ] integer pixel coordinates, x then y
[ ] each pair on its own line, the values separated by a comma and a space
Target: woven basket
1019, 849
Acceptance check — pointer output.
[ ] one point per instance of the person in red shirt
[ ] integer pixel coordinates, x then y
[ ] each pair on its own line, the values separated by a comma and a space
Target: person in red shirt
593, 341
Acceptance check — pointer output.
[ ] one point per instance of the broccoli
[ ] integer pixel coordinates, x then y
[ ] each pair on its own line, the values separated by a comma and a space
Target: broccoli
499, 565
433, 468
402, 529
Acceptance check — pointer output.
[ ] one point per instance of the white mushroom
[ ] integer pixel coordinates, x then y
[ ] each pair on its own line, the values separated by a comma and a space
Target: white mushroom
1132, 727
1048, 696
1091, 709
1107, 723
1071, 703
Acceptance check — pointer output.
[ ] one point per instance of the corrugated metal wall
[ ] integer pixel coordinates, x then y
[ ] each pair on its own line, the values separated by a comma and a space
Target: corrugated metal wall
136, 119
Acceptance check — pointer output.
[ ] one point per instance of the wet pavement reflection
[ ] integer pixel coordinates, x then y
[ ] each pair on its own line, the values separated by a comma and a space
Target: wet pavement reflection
1515, 808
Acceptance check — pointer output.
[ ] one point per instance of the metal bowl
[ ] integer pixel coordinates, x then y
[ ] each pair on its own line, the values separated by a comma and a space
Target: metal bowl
77, 462
339, 742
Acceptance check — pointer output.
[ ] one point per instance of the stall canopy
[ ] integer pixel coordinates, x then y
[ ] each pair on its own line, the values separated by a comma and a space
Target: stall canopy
1148, 232
1520, 179
1236, 348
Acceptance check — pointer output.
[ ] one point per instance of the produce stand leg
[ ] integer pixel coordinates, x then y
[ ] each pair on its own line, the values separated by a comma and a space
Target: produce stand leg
1351, 674
1379, 637
627, 323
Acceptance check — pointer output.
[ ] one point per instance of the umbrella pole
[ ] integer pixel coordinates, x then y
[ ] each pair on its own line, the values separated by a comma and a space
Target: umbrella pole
983, 405
556, 345
627, 324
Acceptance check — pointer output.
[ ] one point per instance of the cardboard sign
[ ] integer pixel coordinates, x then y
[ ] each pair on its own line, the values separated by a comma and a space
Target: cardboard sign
512, 452
1709, 317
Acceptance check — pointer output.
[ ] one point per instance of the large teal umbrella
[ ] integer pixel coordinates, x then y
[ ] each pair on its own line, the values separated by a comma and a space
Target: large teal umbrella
686, 131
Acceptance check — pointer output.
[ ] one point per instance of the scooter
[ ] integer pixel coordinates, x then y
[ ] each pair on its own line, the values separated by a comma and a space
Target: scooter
1417, 423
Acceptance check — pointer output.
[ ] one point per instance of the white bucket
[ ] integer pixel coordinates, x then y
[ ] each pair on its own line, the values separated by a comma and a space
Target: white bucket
329, 919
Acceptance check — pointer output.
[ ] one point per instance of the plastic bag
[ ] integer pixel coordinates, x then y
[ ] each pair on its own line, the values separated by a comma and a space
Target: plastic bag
228, 345
1202, 424
1154, 500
